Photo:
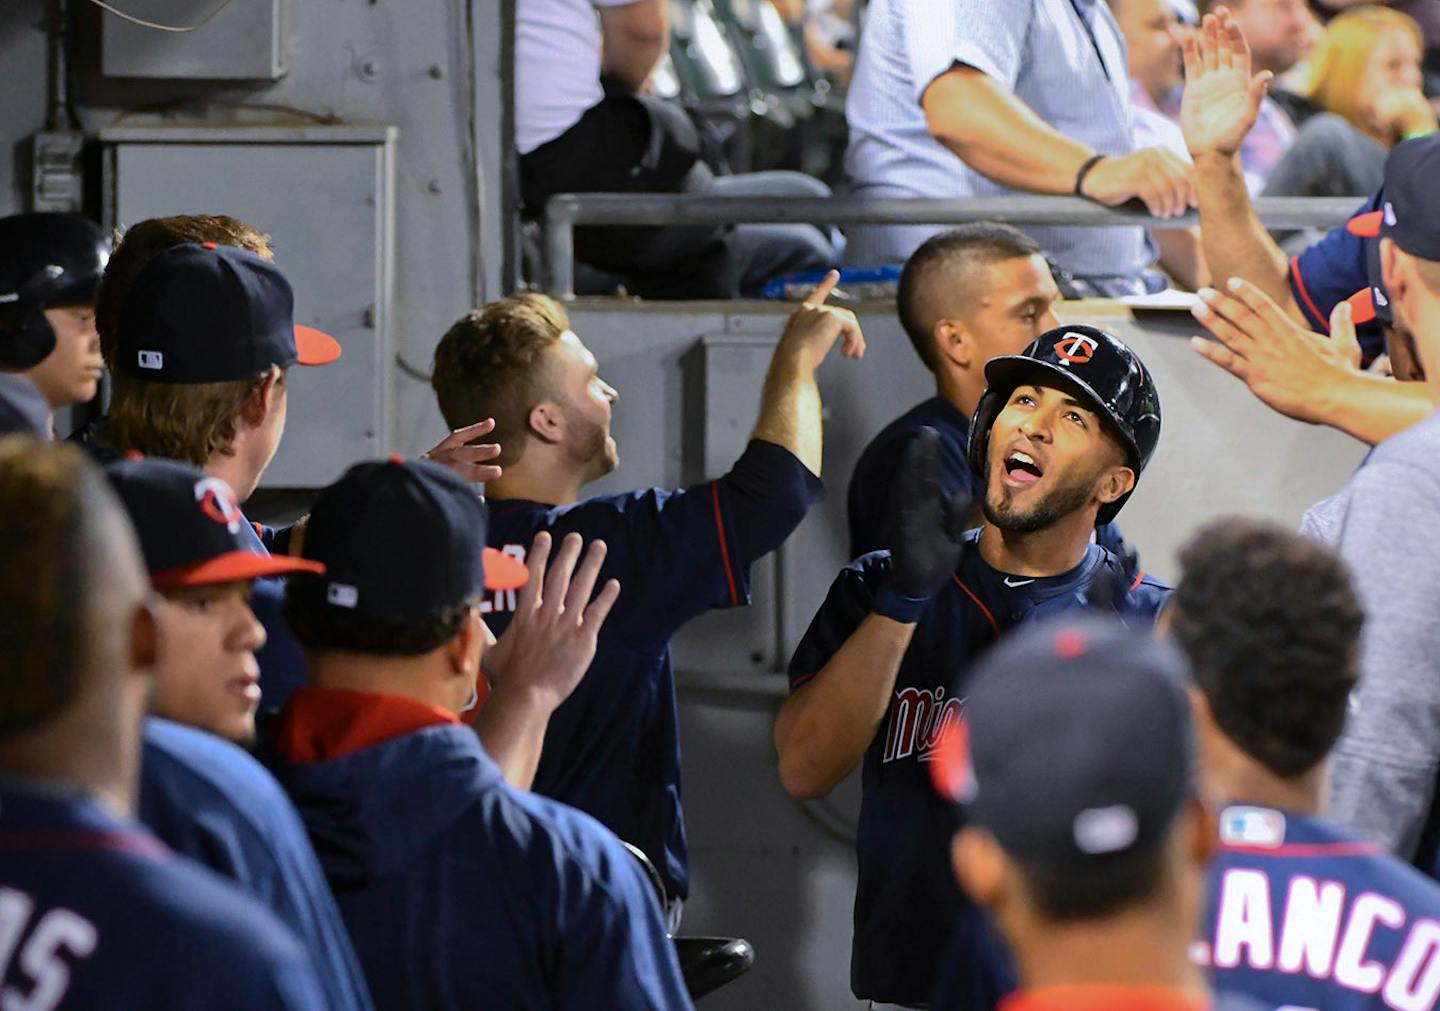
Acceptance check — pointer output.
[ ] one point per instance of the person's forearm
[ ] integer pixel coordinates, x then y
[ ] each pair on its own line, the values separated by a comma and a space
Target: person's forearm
1235, 243
823, 729
999, 136
790, 409
633, 63
511, 725
1372, 408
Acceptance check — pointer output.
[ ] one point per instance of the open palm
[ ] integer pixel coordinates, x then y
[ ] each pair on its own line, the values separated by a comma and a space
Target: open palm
1222, 99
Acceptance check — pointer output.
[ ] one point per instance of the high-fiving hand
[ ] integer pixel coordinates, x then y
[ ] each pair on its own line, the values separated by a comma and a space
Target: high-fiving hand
814, 326
1222, 97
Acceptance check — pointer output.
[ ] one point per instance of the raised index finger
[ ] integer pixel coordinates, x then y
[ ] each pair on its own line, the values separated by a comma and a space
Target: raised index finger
823, 289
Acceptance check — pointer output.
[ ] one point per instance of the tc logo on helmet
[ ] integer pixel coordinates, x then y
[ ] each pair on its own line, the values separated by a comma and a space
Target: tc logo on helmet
217, 502
1076, 347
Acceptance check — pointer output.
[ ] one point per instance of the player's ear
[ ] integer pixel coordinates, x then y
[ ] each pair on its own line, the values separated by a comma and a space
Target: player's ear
1202, 832
546, 422
145, 636
262, 400
468, 644
979, 865
1114, 484
954, 342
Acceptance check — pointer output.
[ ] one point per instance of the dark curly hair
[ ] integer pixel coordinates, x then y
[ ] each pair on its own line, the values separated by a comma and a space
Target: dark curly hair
1272, 628
323, 628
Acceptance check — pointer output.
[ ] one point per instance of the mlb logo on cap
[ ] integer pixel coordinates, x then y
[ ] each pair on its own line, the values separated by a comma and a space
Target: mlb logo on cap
342, 595
152, 360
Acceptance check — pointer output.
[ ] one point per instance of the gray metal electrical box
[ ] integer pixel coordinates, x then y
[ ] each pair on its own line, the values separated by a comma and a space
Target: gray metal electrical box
325, 194
245, 41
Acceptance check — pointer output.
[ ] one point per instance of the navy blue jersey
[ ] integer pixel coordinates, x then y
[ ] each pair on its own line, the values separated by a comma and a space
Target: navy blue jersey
871, 505
282, 662
1332, 270
1305, 915
210, 801
95, 912
612, 749
461, 892
907, 904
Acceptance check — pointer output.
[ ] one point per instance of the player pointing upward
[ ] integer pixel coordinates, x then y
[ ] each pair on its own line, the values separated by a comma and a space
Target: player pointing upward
612, 749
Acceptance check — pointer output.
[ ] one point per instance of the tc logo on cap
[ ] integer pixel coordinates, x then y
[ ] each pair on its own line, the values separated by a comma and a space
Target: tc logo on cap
218, 502
152, 360
1076, 347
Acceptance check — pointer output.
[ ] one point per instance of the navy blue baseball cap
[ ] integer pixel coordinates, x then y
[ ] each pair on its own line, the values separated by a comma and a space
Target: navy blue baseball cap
190, 524
1077, 743
206, 313
23, 408
1408, 215
404, 539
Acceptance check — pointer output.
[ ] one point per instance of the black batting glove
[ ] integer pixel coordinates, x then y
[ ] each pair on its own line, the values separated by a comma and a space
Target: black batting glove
931, 530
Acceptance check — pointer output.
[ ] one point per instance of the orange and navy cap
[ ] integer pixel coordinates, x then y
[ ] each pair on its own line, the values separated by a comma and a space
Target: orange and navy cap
203, 313
1076, 744
1407, 215
404, 539
190, 526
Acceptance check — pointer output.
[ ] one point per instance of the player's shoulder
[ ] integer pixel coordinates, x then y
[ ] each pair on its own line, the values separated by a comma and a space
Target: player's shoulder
937, 413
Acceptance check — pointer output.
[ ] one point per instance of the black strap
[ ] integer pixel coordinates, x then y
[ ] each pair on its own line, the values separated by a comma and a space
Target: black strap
1090, 34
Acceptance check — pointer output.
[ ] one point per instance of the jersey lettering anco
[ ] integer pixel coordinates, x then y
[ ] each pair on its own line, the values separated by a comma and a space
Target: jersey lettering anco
38, 972
907, 904
1306, 916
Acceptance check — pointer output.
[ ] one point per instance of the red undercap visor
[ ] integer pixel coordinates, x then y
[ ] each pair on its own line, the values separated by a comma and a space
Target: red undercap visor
1366, 226
315, 347
504, 572
230, 567
1362, 306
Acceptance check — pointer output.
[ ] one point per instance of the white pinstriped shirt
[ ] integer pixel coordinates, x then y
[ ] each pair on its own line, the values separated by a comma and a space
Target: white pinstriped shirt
1038, 49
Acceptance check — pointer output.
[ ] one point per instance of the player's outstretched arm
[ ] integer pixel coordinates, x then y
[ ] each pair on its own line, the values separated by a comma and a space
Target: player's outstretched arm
1303, 375
823, 729
790, 401
1220, 104
544, 652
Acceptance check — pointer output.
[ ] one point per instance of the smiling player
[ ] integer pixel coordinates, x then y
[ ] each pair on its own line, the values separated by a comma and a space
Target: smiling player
1060, 438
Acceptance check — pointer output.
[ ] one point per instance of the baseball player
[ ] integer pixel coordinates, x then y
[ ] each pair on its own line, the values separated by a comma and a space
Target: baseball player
94, 911
612, 750
204, 797
459, 890
965, 296
215, 396
50, 267
1097, 886
1328, 288
1060, 437
1301, 912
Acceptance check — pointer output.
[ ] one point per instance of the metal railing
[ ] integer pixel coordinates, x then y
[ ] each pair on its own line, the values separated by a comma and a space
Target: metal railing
567, 210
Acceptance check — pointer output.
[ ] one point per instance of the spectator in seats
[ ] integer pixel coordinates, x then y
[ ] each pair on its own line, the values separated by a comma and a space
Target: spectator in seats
50, 266
200, 793
460, 890
1280, 34
966, 296
951, 100
1268, 338
1273, 674
1386, 765
1364, 79
1090, 857
613, 747
1152, 32
98, 913
828, 27
584, 124
1425, 12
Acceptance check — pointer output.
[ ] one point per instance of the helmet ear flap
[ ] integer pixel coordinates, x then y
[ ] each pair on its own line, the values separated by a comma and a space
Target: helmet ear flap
26, 337
985, 413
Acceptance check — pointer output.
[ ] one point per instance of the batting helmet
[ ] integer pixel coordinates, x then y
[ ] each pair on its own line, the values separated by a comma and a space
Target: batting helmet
1091, 363
46, 259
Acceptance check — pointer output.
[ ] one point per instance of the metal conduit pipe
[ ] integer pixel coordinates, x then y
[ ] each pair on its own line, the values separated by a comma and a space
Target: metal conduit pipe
567, 210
